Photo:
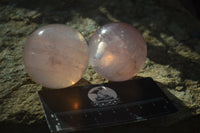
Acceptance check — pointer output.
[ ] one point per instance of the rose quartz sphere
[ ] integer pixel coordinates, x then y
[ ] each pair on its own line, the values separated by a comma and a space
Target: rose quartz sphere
117, 51
56, 56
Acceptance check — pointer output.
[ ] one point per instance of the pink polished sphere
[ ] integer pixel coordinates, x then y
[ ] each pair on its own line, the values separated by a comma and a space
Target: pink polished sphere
56, 56
117, 51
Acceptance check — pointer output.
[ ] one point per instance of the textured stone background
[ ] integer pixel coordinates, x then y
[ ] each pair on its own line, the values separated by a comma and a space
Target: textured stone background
171, 30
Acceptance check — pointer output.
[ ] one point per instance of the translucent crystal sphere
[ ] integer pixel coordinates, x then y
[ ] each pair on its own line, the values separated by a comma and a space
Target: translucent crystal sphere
117, 51
56, 56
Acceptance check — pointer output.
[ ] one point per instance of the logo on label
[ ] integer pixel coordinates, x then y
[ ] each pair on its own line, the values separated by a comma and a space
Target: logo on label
103, 96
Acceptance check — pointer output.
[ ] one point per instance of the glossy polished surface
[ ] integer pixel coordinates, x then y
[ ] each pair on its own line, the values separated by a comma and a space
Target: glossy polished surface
117, 51
56, 56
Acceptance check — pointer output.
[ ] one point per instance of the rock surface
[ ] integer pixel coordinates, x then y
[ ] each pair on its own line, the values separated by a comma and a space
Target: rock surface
171, 32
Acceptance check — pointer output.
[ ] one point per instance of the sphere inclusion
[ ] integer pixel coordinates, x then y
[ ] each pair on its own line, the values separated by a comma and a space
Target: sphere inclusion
117, 51
56, 56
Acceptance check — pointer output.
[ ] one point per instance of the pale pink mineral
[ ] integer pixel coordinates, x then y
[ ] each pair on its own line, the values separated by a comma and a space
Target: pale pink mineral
56, 56
117, 51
